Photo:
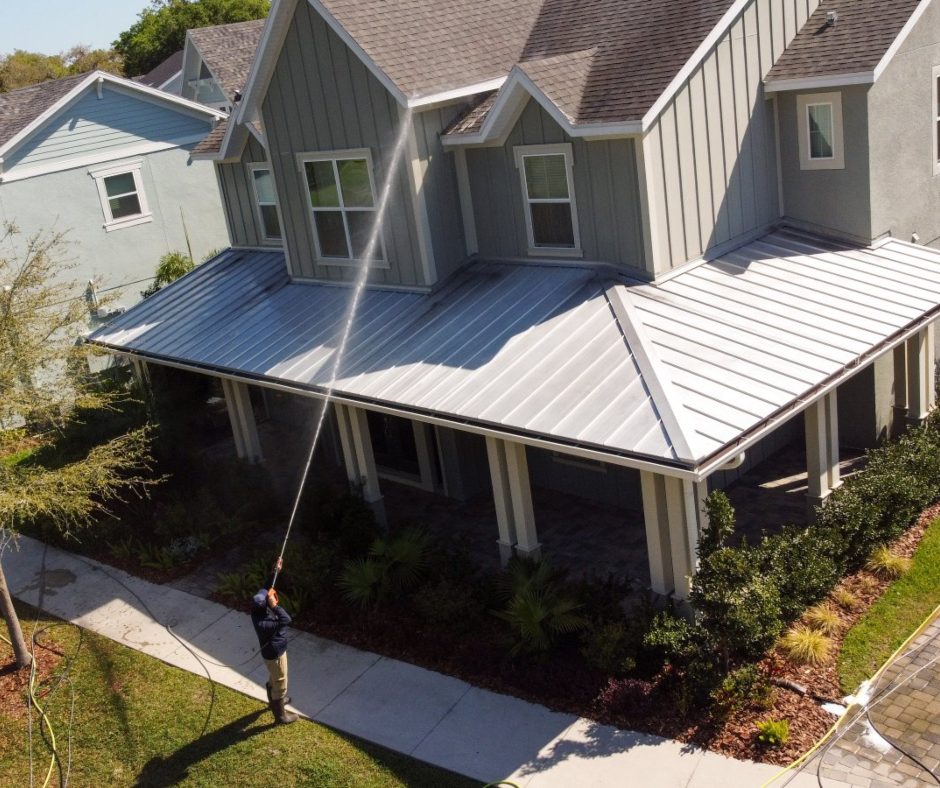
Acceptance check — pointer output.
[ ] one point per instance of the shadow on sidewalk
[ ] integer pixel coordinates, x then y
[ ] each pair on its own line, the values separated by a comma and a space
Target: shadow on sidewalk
162, 772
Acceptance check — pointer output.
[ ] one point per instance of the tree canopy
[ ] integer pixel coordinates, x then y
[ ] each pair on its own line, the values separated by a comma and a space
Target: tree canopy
20, 69
161, 28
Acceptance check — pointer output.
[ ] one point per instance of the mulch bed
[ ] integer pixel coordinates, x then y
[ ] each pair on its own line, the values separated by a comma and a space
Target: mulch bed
14, 682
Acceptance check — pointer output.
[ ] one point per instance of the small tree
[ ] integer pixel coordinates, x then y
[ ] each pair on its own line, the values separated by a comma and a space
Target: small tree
42, 388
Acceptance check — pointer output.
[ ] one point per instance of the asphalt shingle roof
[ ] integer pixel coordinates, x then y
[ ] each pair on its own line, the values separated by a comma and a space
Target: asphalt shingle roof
19, 108
228, 51
167, 69
212, 142
855, 43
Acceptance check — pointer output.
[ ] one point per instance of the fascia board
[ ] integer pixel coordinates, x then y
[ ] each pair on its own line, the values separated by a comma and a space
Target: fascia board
901, 37
426, 102
157, 96
820, 82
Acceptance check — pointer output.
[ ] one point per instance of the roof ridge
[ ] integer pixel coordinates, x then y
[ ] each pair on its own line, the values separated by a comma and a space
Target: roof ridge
656, 380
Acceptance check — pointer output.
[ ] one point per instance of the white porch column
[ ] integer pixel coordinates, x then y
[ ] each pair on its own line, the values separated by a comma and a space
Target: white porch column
350, 459
423, 438
512, 494
656, 521
365, 461
517, 466
685, 517
242, 417
920, 374
900, 385
499, 475
822, 450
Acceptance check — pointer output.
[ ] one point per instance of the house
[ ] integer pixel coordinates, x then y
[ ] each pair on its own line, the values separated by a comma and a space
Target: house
106, 160
626, 249
216, 62
167, 76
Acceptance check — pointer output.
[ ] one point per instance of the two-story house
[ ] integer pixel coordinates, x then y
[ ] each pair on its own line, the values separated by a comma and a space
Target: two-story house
628, 248
107, 161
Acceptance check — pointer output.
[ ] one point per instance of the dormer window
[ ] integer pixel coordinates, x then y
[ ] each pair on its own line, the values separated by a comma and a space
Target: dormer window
820, 131
266, 202
342, 204
548, 195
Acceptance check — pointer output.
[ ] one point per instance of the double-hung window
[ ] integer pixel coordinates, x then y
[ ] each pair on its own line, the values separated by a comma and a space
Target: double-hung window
262, 182
121, 192
343, 206
548, 194
820, 131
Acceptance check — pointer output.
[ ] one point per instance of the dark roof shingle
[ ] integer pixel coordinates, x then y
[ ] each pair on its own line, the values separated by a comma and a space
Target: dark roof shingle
162, 73
19, 108
861, 36
212, 142
228, 51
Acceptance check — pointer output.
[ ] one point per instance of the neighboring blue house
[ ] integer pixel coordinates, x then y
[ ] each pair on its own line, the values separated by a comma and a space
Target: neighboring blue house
107, 160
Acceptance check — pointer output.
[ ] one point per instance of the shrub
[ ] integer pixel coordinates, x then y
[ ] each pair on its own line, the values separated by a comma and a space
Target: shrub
845, 599
243, 585
773, 733
805, 646
625, 696
689, 653
868, 584
394, 565
887, 565
445, 604
823, 619
609, 648
746, 687
799, 561
538, 611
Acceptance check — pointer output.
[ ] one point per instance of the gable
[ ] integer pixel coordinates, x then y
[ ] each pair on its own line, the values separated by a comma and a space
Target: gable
96, 129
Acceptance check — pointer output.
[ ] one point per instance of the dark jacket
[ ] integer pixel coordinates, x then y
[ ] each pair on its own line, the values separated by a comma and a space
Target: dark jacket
271, 628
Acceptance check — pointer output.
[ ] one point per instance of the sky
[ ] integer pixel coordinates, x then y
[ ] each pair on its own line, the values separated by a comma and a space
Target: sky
53, 26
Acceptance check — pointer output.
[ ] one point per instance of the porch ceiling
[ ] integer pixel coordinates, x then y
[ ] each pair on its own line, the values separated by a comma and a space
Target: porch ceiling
672, 372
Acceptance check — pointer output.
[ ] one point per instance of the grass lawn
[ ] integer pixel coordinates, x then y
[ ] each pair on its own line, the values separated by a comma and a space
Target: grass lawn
906, 603
138, 721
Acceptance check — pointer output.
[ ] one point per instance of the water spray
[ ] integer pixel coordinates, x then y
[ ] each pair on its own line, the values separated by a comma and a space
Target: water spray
358, 289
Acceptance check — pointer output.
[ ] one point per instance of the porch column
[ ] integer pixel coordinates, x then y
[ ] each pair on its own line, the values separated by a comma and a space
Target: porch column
350, 459
512, 494
685, 517
822, 451
656, 521
920, 374
242, 418
365, 461
900, 385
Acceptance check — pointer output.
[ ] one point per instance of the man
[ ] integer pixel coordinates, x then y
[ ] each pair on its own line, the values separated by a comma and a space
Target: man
270, 621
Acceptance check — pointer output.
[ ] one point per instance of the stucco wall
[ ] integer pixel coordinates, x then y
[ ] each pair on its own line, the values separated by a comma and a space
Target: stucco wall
124, 258
905, 191
837, 200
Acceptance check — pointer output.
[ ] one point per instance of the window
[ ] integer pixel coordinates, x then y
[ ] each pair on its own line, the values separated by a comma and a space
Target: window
121, 192
342, 203
548, 194
266, 201
820, 131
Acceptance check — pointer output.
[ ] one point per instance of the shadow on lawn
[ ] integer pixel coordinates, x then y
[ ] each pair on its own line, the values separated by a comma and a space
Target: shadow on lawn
160, 772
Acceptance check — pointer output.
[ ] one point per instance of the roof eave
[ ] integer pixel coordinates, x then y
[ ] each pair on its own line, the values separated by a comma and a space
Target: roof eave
820, 82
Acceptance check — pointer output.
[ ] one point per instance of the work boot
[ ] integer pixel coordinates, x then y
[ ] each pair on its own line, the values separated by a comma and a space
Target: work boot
281, 715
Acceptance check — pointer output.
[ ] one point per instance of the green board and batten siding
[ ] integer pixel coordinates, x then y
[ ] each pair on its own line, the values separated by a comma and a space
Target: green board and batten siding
605, 187
719, 128
239, 197
322, 98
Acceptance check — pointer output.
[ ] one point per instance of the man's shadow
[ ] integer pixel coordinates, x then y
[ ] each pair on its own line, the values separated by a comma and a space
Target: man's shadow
163, 772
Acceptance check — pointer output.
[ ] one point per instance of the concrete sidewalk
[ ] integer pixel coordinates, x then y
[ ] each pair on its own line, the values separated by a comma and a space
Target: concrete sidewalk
427, 715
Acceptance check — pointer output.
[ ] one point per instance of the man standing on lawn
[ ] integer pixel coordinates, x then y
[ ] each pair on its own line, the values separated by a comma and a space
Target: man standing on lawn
270, 621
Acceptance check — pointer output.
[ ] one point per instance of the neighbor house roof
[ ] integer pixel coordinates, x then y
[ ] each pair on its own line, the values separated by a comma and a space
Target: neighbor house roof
851, 48
681, 374
228, 51
24, 110
212, 142
167, 70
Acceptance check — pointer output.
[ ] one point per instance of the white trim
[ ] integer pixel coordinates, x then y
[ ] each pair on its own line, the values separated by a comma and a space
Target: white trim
465, 197
119, 82
594, 466
912, 20
333, 157
252, 167
803, 103
132, 168
416, 176
816, 83
935, 118
113, 154
425, 102
564, 149
162, 86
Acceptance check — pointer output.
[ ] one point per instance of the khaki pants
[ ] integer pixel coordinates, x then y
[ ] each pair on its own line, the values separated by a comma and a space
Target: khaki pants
277, 669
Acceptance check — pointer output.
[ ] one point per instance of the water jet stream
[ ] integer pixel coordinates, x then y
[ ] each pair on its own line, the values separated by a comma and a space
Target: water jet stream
358, 289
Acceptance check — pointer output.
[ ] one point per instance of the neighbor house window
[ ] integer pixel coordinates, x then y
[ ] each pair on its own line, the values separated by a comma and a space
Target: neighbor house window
341, 195
820, 131
121, 192
548, 194
262, 182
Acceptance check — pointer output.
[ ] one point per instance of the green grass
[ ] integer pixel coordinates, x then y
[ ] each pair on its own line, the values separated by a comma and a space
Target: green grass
906, 603
15, 458
138, 721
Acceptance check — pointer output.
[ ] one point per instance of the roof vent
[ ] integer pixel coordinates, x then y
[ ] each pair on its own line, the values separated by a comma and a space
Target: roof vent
831, 18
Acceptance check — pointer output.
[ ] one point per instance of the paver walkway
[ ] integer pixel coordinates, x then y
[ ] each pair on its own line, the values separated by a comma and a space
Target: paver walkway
427, 715
896, 742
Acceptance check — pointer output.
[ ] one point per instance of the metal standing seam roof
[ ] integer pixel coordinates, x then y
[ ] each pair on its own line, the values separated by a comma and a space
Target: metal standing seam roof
671, 372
